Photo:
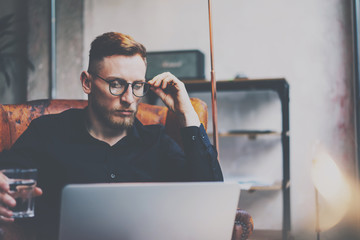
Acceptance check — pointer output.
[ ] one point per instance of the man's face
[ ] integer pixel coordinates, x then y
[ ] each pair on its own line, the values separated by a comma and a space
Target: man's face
116, 111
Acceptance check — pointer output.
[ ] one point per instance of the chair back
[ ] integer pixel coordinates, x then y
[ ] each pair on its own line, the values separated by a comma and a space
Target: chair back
15, 118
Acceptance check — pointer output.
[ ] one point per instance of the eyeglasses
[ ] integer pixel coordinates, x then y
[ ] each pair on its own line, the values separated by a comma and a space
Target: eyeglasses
119, 86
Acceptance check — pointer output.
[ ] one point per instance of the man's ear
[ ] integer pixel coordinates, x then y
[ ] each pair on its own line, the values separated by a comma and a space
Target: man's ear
85, 82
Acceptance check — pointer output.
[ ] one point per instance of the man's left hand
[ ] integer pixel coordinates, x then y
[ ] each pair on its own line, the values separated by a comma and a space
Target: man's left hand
174, 95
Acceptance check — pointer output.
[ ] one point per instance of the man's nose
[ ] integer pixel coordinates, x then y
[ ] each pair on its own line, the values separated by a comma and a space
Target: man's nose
127, 96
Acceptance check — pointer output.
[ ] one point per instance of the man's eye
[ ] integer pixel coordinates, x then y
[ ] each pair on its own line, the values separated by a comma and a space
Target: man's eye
117, 84
137, 86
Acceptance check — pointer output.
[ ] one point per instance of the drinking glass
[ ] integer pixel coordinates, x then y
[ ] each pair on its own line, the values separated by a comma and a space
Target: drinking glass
22, 184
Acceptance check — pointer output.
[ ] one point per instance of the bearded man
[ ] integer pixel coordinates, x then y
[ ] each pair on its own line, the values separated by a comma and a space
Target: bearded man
105, 142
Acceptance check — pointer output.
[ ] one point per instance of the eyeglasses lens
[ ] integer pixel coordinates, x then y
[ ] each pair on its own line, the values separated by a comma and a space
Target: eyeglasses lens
139, 89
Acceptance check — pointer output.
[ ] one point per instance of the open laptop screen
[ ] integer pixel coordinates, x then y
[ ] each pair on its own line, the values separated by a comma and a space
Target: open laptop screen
136, 211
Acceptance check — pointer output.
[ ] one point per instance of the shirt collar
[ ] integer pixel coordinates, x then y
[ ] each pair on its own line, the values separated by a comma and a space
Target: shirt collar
133, 133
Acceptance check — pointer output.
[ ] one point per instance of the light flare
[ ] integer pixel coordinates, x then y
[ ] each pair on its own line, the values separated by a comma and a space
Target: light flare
333, 187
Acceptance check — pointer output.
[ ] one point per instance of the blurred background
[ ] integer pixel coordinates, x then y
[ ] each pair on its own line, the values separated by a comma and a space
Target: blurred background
312, 44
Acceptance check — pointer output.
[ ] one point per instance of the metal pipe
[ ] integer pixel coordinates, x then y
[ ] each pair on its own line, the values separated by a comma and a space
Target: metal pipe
53, 51
317, 226
355, 20
213, 87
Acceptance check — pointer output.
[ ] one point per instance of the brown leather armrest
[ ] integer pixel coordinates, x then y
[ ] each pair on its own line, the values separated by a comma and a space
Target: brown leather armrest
244, 225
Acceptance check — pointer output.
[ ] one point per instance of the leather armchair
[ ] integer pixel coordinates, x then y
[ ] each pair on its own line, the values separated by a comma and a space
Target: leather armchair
15, 118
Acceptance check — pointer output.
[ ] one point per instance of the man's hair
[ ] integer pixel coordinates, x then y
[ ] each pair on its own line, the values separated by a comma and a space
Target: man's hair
113, 43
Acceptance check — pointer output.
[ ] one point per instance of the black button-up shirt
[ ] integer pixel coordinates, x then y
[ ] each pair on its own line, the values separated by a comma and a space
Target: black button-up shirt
64, 152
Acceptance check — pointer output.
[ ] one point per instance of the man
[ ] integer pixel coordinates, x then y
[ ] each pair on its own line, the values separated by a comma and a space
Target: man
105, 142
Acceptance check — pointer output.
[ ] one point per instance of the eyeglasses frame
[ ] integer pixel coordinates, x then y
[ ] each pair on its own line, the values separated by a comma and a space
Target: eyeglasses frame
126, 88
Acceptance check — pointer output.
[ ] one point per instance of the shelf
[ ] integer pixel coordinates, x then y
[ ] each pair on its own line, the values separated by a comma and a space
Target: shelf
281, 87
250, 133
260, 187
255, 185
278, 85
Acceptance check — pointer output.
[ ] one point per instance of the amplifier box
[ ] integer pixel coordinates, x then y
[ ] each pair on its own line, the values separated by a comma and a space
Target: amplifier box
185, 64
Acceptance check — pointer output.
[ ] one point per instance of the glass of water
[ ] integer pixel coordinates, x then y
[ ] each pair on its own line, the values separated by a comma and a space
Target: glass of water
22, 184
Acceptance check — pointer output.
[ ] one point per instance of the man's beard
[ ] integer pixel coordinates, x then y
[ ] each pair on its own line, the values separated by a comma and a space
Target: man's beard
108, 118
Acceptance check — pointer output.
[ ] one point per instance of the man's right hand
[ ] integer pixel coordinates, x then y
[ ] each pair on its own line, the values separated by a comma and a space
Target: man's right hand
7, 201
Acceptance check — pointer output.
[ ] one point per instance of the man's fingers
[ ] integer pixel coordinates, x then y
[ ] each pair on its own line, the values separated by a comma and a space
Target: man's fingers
159, 92
168, 81
162, 80
37, 192
6, 219
5, 212
4, 185
7, 200
156, 82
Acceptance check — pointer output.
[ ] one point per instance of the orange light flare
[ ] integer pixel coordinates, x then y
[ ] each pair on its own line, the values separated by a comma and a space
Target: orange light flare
337, 191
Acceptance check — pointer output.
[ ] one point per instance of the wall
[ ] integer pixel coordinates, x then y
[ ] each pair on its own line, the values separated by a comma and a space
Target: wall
69, 49
38, 82
16, 65
69, 37
32, 45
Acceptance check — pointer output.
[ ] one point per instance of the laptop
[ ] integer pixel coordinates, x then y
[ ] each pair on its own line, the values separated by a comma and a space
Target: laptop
152, 211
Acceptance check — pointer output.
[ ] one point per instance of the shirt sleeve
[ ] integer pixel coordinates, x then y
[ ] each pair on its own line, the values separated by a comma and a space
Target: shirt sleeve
201, 155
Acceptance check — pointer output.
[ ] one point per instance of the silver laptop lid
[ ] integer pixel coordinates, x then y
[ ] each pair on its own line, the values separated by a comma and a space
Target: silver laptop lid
155, 211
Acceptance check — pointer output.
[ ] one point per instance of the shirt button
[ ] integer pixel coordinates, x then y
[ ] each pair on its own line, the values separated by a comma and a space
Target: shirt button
193, 138
112, 175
